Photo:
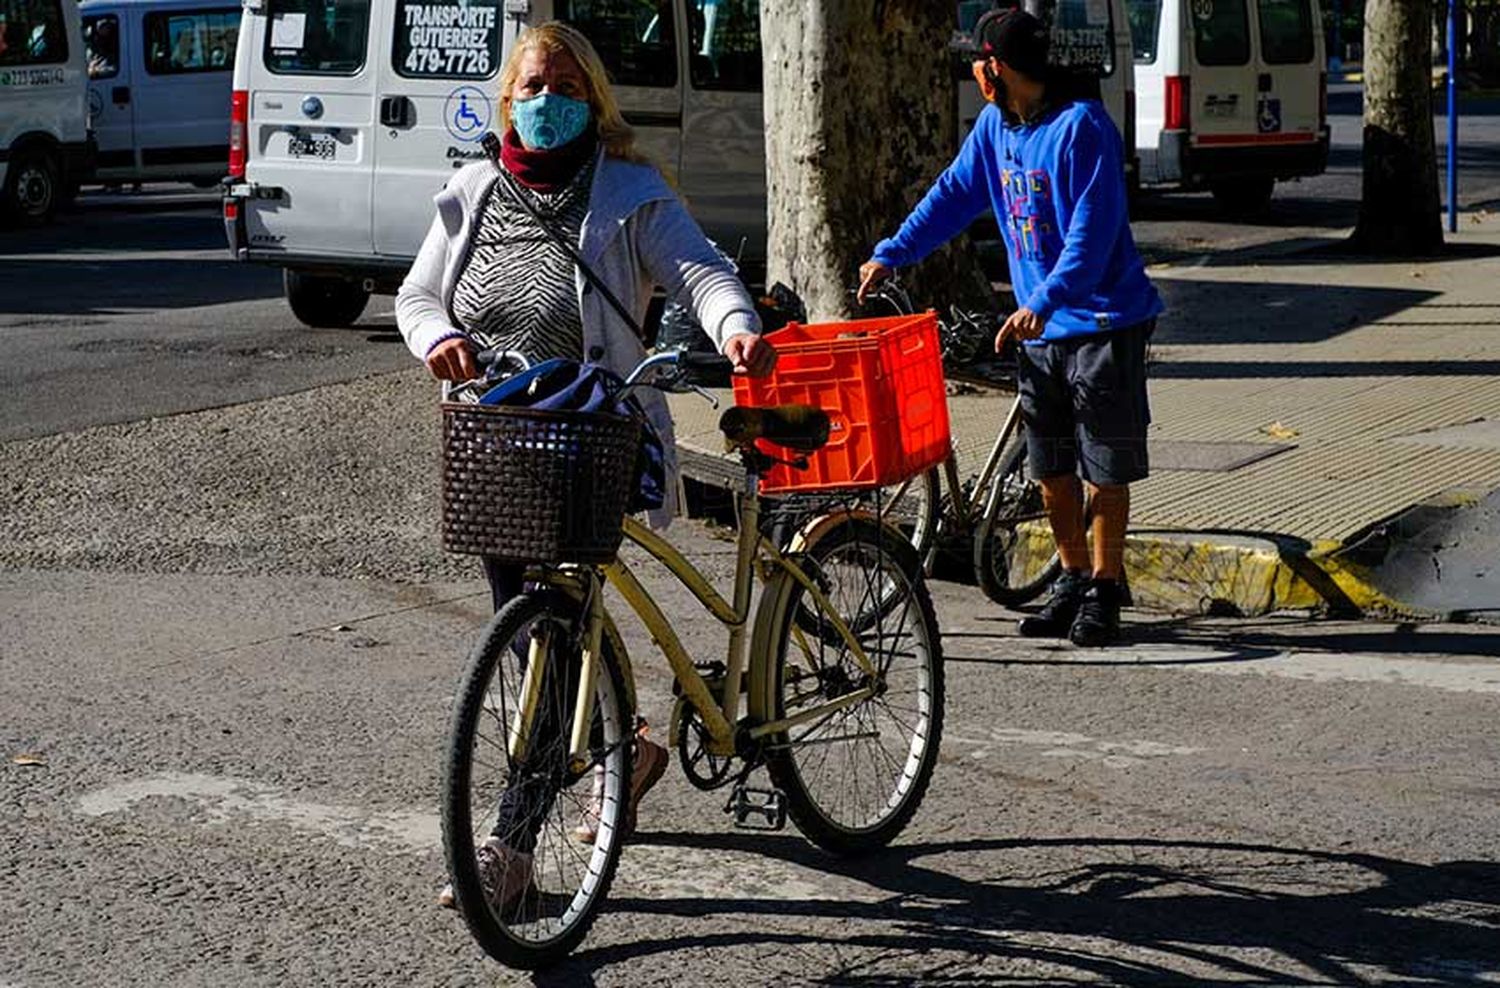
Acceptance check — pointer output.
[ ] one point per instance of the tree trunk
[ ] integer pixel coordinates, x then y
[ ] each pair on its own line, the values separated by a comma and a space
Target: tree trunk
1400, 212
861, 117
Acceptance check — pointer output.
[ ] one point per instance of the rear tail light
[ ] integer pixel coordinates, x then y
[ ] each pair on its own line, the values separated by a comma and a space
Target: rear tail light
1322, 100
231, 209
239, 126
1179, 97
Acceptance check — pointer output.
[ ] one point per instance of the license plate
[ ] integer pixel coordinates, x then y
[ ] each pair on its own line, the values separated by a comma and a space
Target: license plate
312, 146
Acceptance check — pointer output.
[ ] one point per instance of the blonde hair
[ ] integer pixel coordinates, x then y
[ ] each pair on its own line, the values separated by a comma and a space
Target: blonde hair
553, 37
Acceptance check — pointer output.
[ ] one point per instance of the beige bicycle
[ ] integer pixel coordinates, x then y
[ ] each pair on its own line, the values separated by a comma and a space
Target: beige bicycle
832, 682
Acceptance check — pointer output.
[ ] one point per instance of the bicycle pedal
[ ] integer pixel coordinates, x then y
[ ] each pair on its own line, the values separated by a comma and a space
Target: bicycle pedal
757, 809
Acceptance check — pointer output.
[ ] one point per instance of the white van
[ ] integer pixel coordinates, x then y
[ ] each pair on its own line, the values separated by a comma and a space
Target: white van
1233, 95
1087, 35
349, 115
159, 79
44, 126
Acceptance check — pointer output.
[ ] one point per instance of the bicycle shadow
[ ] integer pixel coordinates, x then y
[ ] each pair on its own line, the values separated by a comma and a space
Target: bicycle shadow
1139, 911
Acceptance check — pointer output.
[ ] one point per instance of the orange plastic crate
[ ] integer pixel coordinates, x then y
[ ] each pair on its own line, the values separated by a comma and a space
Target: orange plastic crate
881, 383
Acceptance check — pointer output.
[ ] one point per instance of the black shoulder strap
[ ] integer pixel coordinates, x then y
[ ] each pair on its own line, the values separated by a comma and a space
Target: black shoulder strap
491, 145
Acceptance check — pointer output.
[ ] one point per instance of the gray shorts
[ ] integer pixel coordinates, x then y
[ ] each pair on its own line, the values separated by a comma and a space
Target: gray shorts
1085, 408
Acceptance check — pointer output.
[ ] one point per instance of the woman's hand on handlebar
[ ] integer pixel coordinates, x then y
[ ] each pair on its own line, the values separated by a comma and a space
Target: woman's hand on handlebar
453, 360
750, 354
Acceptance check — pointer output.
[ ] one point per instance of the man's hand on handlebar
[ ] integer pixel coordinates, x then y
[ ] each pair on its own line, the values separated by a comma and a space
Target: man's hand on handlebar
750, 354
453, 360
871, 273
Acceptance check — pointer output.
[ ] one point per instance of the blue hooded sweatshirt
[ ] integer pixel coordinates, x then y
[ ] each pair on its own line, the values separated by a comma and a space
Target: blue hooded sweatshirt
1057, 186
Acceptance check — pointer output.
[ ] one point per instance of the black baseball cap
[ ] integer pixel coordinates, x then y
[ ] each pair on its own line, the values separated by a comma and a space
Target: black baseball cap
1015, 37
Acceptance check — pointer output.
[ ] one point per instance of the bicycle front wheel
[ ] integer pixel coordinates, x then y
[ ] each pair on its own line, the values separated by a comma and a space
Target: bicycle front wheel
529, 889
854, 776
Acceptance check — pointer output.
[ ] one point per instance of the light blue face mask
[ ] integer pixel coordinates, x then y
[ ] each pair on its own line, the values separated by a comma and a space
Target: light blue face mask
549, 120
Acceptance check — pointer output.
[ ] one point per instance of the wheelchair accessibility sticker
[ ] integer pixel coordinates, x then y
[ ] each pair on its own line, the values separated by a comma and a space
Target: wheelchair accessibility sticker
467, 113
1268, 115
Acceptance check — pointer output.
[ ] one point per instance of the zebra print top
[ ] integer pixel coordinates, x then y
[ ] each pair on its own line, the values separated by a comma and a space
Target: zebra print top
517, 289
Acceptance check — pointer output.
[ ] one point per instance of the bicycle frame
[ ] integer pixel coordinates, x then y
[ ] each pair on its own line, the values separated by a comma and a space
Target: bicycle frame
985, 491
754, 554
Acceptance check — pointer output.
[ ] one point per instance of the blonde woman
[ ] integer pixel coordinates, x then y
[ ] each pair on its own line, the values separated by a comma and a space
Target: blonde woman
489, 275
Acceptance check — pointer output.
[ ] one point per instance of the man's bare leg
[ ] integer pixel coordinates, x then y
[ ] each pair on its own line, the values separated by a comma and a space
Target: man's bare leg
1110, 505
1063, 499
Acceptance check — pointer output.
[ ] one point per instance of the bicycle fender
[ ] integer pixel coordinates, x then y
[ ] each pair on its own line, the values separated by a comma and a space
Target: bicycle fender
819, 526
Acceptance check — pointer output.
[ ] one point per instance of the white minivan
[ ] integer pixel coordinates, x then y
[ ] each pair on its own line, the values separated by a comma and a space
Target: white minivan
349, 115
45, 147
1233, 95
159, 78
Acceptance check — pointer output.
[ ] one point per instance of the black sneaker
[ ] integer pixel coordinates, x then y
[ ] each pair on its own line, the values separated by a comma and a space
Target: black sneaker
1056, 616
1098, 620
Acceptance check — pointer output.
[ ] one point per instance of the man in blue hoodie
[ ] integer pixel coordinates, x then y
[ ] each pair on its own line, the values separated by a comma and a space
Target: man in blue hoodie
1052, 169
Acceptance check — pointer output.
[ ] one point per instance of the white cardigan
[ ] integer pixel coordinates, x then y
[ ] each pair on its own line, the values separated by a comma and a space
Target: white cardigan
637, 235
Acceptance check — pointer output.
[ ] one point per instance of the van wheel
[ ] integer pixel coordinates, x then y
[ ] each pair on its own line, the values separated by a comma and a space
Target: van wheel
33, 187
324, 302
1244, 197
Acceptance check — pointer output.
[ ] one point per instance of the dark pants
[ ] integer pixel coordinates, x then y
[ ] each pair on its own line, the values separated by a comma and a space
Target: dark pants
532, 788
1084, 403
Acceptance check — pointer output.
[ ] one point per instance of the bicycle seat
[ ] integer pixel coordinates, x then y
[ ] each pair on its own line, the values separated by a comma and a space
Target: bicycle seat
800, 428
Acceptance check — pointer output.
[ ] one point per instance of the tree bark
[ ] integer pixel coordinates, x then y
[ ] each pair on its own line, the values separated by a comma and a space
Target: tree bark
1399, 213
861, 117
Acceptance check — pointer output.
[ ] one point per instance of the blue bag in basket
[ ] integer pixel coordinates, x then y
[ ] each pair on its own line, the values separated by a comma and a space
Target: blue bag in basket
561, 385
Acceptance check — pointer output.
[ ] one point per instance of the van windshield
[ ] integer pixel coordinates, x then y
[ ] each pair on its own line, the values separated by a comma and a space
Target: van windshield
1145, 19
1286, 33
1221, 32
317, 37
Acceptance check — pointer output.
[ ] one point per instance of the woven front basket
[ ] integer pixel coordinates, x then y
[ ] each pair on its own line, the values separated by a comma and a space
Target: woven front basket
536, 487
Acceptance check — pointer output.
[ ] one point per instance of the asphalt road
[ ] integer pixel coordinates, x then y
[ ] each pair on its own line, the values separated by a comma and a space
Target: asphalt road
233, 780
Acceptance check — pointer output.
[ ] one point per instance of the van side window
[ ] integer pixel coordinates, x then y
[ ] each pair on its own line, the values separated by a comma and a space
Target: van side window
317, 37
447, 39
187, 41
32, 32
725, 44
101, 38
635, 38
1286, 32
1221, 32
1145, 20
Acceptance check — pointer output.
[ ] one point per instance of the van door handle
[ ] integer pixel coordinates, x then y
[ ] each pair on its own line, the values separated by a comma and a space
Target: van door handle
1264, 82
120, 94
397, 111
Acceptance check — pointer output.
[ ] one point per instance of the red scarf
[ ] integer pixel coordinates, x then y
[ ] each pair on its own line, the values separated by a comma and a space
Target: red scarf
546, 170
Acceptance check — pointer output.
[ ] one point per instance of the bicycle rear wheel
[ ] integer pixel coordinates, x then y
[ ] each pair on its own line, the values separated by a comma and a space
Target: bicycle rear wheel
854, 777
499, 809
1007, 565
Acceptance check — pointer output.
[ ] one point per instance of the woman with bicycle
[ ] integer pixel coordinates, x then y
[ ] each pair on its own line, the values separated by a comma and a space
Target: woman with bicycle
500, 269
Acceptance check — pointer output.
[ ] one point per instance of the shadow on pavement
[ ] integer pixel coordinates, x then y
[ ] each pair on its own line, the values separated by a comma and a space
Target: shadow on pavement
1136, 911
84, 287
1203, 311
1279, 637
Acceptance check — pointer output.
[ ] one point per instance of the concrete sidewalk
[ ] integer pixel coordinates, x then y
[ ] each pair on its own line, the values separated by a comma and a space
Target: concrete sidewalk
1314, 414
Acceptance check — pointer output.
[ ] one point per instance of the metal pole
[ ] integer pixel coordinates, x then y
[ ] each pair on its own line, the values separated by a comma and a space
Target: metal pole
1452, 116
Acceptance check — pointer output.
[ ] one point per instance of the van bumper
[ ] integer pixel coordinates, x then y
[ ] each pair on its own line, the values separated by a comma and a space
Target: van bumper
1196, 166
